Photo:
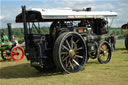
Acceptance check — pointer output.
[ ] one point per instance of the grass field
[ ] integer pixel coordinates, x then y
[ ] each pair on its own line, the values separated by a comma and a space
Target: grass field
113, 73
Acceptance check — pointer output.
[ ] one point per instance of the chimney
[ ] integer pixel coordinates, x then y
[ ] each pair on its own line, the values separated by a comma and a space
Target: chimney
9, 31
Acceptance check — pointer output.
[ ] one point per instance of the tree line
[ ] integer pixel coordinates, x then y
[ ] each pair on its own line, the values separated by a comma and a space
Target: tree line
19, 32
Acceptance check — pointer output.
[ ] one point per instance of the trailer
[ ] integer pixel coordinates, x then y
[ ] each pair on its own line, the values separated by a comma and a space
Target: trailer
75, 36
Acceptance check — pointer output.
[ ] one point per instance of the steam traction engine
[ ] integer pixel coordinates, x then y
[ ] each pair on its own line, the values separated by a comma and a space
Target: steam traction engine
75, 36
8, 47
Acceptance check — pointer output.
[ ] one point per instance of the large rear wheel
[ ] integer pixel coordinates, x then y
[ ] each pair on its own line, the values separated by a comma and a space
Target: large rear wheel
69, 52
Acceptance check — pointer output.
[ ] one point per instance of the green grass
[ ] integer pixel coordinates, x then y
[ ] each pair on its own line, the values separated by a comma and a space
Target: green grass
113, 73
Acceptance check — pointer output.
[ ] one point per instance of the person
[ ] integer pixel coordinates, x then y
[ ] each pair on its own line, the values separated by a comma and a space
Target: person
5, 41
4, 37
82, 23
113, 42
107, 39
0, 42
14, 41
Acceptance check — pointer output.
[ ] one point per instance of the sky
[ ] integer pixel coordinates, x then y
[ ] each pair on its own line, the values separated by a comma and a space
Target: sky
10, 8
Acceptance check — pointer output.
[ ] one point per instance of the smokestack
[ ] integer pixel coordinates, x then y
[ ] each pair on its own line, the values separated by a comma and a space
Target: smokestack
9, 31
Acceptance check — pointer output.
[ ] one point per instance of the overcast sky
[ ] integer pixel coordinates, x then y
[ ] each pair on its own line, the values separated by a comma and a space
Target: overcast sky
10, 8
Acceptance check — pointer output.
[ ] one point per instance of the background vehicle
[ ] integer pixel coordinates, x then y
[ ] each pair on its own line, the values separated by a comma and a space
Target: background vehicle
125, 26
75, 36
8, 47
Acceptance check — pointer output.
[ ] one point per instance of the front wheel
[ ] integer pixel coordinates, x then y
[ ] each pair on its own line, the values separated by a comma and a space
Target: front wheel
17, 53
104, 52
69, 52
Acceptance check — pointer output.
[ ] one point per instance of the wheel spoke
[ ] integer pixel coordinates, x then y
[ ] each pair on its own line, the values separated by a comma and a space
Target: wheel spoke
67, 62
76, 62
78, 56
71, 65
65, 58
64, 53
65, 47
80, 48
71, 42
77, 41
68, 44
75, 45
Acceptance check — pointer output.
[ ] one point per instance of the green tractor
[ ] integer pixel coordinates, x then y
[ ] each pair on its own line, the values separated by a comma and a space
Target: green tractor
9, 48
125, 26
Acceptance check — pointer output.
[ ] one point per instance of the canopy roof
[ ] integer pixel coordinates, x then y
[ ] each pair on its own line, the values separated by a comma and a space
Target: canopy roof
46, 15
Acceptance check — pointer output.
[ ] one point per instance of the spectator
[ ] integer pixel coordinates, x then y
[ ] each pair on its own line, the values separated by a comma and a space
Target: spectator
14, 41
113, 42
107, 38
4, 37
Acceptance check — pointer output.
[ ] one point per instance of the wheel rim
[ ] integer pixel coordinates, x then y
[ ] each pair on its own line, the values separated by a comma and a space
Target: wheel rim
72, 53
6, 54
104, 53
17, 53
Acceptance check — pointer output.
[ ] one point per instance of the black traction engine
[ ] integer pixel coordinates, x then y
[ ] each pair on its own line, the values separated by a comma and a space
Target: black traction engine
69, 44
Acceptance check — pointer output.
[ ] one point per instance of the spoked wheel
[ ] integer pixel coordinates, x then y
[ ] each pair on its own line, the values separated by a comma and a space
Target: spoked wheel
17, 53
104, 53
69, 52
6, 55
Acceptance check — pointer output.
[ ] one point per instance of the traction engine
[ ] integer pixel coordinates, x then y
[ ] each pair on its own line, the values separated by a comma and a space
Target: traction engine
74, 37
9, 48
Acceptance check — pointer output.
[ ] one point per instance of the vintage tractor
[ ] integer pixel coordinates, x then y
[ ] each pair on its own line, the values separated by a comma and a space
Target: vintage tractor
9, 49
125, 26
74, 37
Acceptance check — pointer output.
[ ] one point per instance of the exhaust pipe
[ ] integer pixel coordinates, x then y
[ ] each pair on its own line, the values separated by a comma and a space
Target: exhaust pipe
9, 31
